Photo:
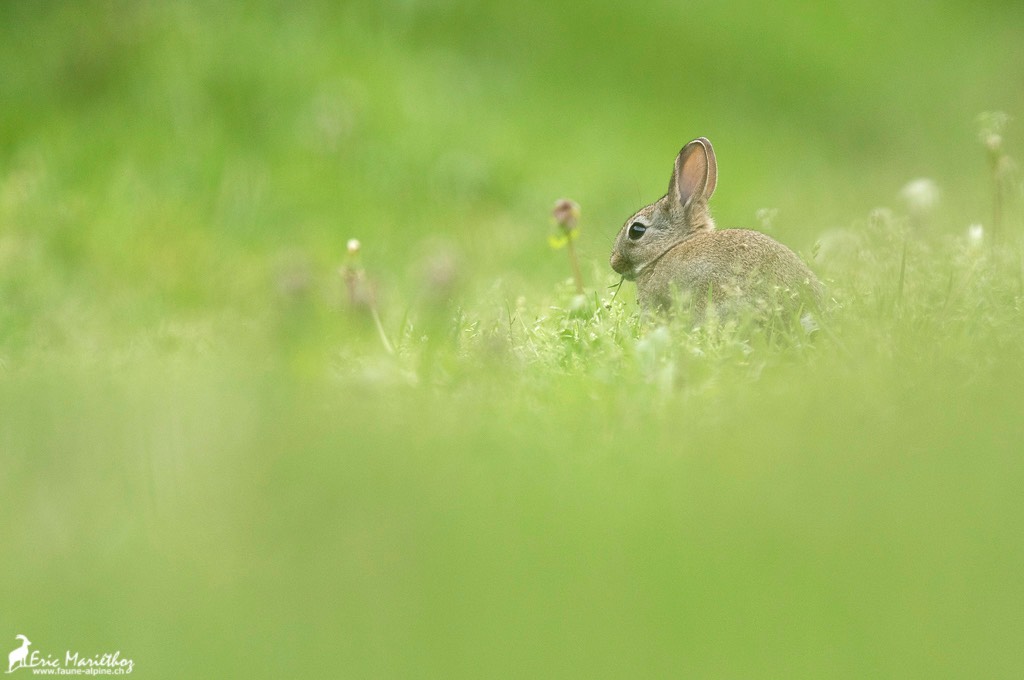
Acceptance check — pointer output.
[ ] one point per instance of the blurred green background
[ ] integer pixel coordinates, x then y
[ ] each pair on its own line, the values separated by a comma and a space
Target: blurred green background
208, 462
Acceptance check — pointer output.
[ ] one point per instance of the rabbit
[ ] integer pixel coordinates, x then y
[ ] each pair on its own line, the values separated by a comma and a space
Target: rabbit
673, 252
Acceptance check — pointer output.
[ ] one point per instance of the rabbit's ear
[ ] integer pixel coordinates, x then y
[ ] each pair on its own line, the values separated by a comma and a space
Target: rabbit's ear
696, 172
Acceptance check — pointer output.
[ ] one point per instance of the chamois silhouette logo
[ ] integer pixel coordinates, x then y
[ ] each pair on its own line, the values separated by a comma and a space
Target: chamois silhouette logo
16, 659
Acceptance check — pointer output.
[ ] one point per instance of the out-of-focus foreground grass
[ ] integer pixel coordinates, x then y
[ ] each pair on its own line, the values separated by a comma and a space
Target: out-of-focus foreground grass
209, 461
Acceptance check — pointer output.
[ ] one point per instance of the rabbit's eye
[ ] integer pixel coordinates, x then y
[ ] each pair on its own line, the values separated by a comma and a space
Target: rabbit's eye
636, 230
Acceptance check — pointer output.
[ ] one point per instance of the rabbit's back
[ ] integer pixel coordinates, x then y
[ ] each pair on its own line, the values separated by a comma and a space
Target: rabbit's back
733, 268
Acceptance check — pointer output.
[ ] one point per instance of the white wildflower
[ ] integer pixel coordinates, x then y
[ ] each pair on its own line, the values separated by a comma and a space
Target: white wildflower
921, 196
975, 235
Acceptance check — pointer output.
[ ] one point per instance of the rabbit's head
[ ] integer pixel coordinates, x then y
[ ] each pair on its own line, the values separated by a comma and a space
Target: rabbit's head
679, 214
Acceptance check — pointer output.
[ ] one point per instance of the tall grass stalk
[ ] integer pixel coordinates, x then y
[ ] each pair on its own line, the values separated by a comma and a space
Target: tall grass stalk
566, 214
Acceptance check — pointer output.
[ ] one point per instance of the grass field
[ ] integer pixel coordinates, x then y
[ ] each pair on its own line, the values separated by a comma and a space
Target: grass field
213, 462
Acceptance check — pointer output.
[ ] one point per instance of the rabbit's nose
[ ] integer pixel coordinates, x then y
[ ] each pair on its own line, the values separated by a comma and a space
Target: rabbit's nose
621, 266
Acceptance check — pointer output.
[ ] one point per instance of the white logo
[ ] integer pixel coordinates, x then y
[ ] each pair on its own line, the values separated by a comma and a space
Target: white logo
16, 659
72, 663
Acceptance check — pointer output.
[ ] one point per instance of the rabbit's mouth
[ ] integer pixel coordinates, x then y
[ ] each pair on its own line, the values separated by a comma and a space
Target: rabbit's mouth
628, 270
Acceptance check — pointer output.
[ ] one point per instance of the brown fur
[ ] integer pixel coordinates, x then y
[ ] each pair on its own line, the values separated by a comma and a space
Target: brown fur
681, 256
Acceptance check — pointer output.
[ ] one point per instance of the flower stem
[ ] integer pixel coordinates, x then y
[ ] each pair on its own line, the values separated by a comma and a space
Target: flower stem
575, 267
380, 330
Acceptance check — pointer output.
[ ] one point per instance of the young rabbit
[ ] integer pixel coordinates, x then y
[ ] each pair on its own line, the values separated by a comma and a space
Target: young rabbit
673, 251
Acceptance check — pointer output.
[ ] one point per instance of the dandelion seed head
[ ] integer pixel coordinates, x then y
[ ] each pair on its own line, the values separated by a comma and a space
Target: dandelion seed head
921, 196
975, 235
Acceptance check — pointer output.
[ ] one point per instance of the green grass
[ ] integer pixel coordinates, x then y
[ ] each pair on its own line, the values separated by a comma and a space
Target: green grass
210, 461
